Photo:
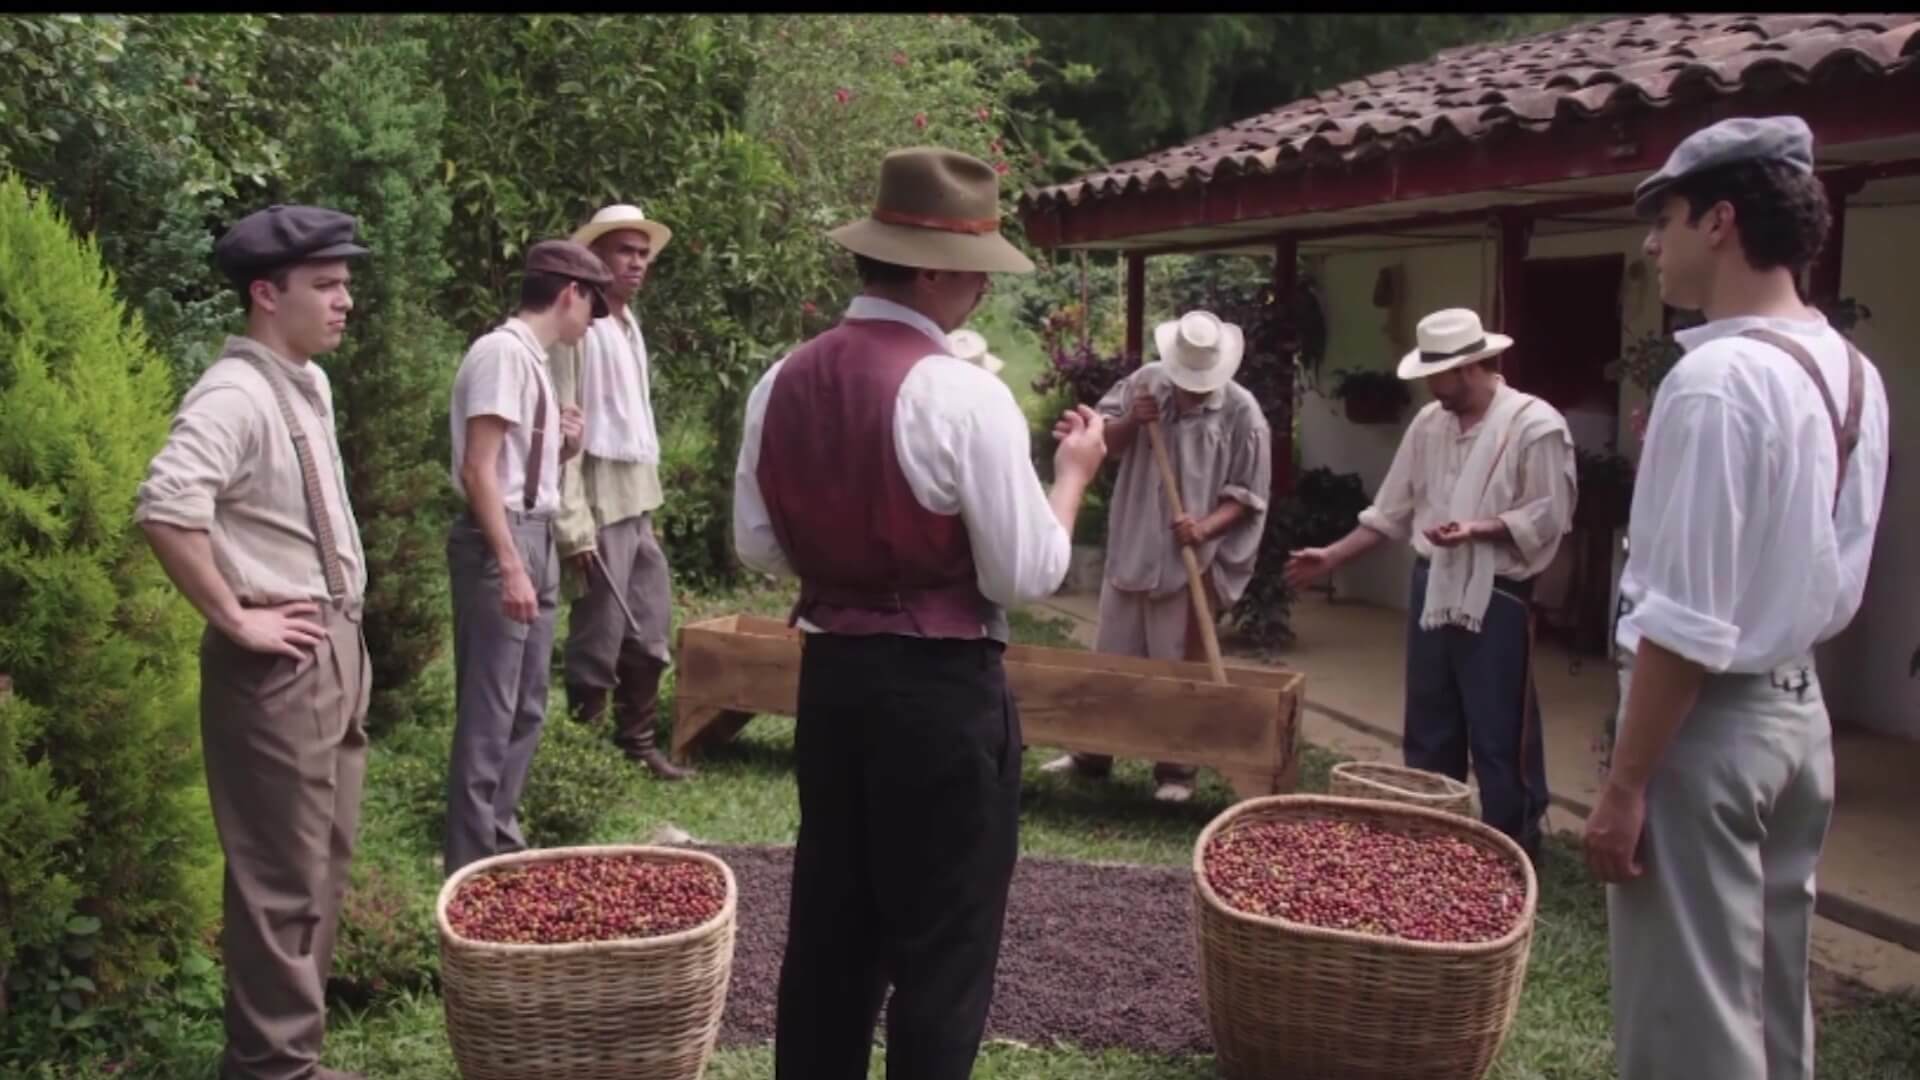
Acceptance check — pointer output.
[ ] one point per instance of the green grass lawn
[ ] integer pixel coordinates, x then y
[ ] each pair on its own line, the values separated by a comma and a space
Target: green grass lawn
745, 795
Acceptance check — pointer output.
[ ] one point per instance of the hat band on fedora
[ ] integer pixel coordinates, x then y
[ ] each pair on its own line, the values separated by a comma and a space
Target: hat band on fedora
1436, 357
976, 226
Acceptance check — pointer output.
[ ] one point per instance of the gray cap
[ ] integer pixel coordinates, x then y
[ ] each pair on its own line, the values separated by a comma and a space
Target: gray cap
576, 261
1785, 139
266, 240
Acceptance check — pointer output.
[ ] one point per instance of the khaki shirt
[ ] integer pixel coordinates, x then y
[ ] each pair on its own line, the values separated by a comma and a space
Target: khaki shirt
229, 469
596, 492
1220, 450
1418, 491
502, 375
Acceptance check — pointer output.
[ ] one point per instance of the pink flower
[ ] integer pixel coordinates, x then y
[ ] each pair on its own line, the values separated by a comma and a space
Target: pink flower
995, 146
984, 114
899, 59
920, 121
1002, 168
843, 95
807, 308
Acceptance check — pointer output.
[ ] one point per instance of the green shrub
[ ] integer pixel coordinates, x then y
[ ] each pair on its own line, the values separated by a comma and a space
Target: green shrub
573, 772
370, 146
387, 941
105, 836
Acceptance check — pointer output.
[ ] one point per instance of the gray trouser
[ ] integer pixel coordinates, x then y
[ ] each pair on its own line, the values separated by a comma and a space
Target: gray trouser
1154, 628
631, 565
285, 745
1710, 947
500, 686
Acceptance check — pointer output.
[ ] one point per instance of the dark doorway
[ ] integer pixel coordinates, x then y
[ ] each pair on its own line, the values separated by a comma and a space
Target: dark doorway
1567, 335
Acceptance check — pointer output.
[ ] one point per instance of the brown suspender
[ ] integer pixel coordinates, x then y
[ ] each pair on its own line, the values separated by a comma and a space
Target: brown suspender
1846, 433
310, 477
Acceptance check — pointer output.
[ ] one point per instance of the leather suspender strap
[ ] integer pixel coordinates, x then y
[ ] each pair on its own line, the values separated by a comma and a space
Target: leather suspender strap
539, 443
310, 479
1846, 432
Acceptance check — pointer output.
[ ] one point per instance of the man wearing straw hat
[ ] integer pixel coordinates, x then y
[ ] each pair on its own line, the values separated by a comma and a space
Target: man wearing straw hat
894, 480
617, 628
1761, 486
1483, 486
1218, 443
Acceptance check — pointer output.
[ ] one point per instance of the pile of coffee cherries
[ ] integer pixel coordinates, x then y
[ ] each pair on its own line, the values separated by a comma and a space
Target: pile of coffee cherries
588, 898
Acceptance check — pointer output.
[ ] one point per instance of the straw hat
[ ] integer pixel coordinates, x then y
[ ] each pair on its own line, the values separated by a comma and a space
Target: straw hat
937, 209
970, 346
1449, 339
622, 216
1198, 351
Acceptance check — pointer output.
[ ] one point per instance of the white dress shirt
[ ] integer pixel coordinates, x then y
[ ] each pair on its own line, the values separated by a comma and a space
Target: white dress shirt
504, 374
964, 448
1737, 560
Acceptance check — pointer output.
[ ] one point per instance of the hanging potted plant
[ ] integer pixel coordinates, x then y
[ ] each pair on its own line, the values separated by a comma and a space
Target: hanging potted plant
1371, 397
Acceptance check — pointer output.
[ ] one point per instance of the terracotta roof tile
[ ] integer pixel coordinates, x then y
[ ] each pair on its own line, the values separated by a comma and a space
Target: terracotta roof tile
1578, 72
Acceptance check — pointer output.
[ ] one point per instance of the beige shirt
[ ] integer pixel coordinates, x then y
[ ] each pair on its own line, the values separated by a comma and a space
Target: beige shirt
594, 491
1221, 450
1418, 491
502, 375
228, 468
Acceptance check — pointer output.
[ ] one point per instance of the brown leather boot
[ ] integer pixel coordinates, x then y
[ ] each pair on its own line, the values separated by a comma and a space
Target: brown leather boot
637, 716
587, 704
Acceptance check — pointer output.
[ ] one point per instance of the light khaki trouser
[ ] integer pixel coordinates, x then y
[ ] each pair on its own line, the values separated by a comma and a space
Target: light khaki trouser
285, 745
632, 566
1154, 628
1710, 948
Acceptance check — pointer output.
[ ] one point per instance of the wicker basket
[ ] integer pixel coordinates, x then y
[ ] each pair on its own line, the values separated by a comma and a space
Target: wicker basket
1285, 999
1397, 783
589, 1011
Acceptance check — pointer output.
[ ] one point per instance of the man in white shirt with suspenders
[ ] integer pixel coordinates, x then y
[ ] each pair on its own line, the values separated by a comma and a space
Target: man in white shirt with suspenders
510, 435
1759, 487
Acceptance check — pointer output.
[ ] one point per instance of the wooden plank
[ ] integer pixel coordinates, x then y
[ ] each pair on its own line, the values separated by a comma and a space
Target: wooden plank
1121, 705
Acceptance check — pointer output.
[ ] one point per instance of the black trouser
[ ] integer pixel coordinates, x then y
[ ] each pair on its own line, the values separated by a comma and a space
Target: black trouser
1469, 692
908, 764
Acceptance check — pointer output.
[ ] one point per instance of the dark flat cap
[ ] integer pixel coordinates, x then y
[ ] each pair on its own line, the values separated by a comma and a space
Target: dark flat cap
266, 240
576, 261
1785, 139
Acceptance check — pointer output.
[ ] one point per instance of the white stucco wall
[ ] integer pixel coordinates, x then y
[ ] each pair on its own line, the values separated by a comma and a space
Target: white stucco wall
1865, 670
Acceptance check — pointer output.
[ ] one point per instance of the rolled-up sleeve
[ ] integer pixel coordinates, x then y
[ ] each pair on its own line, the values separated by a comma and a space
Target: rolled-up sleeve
753, 536
1696, 494
1543, 507
211, 441
1249, 480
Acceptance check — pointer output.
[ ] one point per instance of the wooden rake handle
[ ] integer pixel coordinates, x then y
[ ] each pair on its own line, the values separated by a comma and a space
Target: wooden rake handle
1194, 588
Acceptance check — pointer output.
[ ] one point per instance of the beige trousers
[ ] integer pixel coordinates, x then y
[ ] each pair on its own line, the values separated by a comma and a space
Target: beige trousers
285, 745
1162, 628
1710, 947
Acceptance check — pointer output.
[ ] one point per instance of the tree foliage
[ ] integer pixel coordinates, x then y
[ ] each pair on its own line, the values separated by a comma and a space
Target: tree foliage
98, 764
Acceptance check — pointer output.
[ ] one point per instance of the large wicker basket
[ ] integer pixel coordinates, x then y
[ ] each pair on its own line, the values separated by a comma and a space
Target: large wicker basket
1398, 783
604, 1010
1285, 999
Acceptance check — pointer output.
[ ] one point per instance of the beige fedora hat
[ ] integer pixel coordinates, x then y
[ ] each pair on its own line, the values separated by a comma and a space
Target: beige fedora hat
1198, 351
971, 346
622, 216
1449, 339
937, 209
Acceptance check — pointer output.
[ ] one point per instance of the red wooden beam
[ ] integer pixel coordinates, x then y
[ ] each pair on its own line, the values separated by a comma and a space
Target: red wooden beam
1824, 286
1515, 233
1431, 220
1286, 278
1634, 142
1136, 306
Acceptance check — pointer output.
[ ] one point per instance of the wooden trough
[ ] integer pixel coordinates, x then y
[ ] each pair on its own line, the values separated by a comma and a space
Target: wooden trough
734, 667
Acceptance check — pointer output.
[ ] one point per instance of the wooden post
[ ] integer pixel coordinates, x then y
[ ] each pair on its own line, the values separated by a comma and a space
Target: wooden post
1136, 305
1514, 230
1286, 280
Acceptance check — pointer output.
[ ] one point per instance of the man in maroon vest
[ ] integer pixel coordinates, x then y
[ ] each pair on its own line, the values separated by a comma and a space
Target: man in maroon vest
894, 481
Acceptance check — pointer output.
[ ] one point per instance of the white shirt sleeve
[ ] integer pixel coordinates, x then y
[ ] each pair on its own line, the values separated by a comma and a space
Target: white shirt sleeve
753, 537
964, 448
1703, 479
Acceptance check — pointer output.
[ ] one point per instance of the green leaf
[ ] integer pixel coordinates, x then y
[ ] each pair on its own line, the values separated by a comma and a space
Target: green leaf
83, 925
196, 964
82, 983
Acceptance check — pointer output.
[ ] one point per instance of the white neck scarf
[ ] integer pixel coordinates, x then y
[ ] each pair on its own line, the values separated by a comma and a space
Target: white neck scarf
615, 394
1460, 582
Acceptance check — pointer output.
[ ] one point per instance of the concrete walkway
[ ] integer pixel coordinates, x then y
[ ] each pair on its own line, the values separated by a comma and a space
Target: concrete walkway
1353, 656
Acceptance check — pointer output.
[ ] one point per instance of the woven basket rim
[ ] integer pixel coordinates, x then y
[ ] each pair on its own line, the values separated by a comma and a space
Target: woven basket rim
1357, 770
1338, 807
555, 854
